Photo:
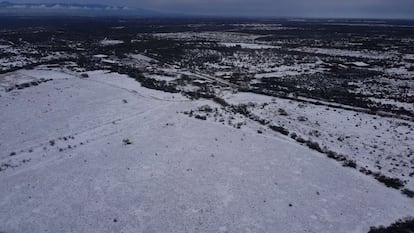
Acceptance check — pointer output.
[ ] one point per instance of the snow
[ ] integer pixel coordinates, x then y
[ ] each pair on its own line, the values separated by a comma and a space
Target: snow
348, 53
360, 64
21, 56
217, 66
399, 71
377, 143
109, 61
178, 175
107, 42
407, 106
8, 80
223, 74
409, 56
160, 77
141, 57
100, 56
218, 36
254, 26
293, 70
249, 46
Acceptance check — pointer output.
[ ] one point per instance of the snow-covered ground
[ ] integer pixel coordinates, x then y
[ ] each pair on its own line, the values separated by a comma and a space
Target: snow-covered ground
407, 106
160, 77
141, 57
249, 46
218, 36
100, 56
377, 143
14, 57
348, 53
108, 42
104, 154
283, 71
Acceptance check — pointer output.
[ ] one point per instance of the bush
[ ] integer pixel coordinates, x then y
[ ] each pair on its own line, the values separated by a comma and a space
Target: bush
332, 154
408, 193
315, 133
300, 140
242, 109
126, 141
350, 163
401, 226
336, 156
205, 108
220, 101
200, 117
302, 118
314, 146
390, 182
279, 129
365, 171
282, 112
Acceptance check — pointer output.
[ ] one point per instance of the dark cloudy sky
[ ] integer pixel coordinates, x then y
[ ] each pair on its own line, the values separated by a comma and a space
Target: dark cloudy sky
276, 8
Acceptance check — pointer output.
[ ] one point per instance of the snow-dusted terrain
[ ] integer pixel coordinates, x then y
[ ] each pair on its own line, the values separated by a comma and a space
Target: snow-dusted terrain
103, 154
378, 143
168, 125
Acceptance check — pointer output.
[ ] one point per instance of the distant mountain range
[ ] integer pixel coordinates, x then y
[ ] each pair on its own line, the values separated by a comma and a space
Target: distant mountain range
64, 9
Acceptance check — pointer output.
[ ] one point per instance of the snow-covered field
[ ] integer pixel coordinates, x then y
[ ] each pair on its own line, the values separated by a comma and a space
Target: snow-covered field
377, 143
225, 37
348, 53
103, 154
160, 77
249, 46
283, 71
108, 42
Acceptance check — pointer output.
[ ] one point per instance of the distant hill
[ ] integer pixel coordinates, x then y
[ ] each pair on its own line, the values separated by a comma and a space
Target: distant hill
65, 9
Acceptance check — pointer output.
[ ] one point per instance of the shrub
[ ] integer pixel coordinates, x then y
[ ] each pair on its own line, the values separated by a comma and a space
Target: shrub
220, 101
279, 129
350, 163
300, 140
241, 109
200, 117
302, 118
408, 193
205, 108
336, 156
365, 171
401, 226
282, 112
390, 182
314, 146
126, 141
332, 154
315, 133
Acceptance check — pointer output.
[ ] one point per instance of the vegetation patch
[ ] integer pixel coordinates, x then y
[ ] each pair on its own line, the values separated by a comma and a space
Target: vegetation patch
401, 226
